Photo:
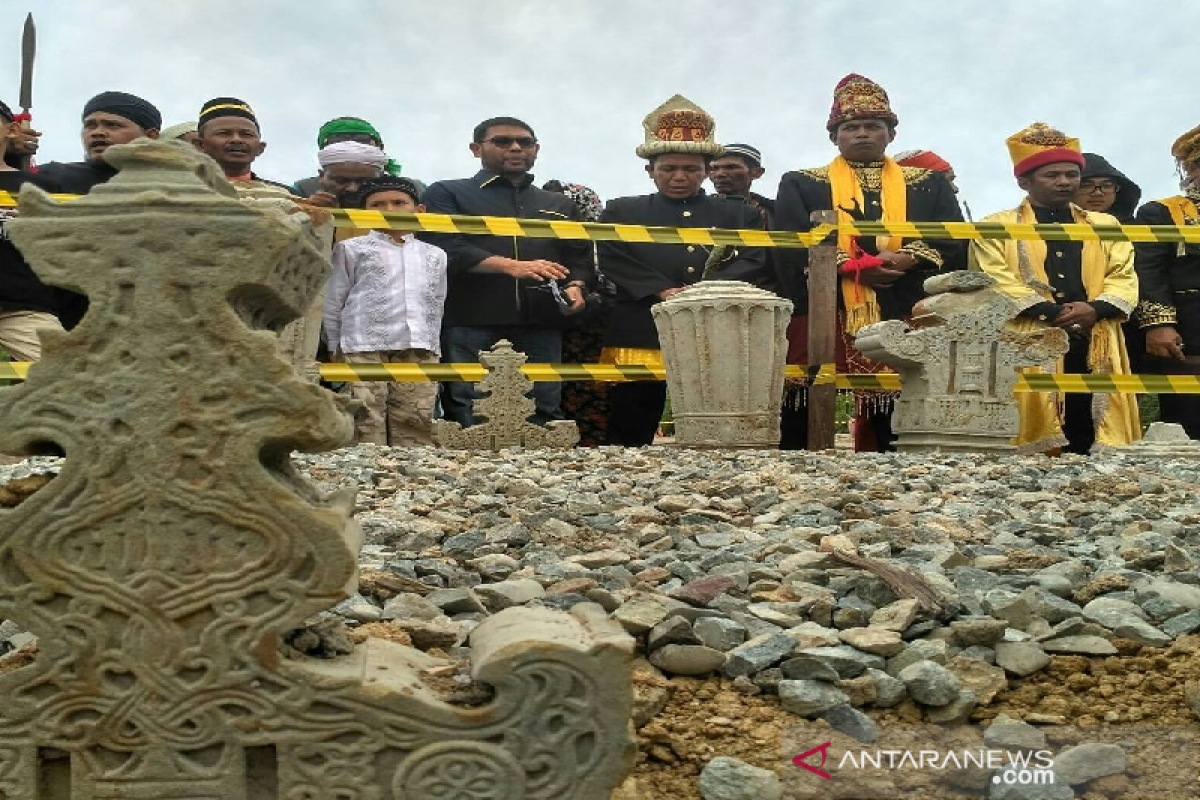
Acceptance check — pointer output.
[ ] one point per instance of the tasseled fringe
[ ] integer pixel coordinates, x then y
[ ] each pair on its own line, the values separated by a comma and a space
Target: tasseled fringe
795, 394
870, 403
861, 316
1101, 358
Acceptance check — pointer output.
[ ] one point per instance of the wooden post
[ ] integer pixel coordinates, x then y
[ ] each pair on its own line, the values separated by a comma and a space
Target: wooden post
822, 333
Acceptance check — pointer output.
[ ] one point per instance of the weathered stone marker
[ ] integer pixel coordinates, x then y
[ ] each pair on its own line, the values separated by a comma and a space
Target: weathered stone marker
724, 344
958, 365
505, 409
161, 566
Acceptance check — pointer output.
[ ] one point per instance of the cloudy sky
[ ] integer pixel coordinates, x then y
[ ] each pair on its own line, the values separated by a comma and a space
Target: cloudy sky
962, 75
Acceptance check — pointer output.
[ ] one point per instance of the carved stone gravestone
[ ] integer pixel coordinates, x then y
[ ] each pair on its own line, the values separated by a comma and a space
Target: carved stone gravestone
505, 409
958, 365
298, 340
160, 568
724, 344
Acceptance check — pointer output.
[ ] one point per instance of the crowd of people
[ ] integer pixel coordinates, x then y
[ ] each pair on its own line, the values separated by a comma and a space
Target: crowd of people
419, 297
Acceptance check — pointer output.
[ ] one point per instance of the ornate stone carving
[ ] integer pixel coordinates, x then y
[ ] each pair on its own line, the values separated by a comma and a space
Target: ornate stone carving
298, 340
958, 365
724, 345
505, 409
160, 568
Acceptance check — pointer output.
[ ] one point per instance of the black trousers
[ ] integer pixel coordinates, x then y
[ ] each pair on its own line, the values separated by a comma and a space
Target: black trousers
1078, 425
635, 410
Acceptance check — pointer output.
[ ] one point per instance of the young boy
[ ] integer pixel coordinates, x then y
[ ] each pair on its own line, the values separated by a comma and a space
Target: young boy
26, 304
384, 304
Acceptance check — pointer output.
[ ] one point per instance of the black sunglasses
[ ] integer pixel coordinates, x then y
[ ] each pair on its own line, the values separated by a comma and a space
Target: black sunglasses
525, 142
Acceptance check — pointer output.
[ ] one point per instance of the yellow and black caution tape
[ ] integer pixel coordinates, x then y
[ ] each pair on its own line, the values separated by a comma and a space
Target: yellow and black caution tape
817, 375
595, 231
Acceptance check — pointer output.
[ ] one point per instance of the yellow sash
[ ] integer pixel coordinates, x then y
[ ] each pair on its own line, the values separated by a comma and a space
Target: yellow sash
862, 307
1093, 272
1181, 207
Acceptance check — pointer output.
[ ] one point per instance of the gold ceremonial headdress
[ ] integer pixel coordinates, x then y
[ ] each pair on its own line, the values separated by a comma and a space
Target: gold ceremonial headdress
679, 126
1039, 145
1186, 148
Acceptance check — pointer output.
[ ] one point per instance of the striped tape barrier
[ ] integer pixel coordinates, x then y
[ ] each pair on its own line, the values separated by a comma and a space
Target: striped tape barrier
818, 375
595, 231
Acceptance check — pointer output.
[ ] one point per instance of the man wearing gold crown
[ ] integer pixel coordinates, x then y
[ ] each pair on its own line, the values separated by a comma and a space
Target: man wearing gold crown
881, 277
680, 144
1169, 279
1086, 288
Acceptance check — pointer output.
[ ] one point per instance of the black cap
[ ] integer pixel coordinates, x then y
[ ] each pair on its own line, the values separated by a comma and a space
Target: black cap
225, 107
131, 107
387, 183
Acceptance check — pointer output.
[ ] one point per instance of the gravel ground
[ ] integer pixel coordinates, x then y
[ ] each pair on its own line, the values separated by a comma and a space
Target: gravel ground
840, 589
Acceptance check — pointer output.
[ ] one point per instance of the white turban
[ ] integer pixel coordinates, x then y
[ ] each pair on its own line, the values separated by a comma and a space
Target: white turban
352, 153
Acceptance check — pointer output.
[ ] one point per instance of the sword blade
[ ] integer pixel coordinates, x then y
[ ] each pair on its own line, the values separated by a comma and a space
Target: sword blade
28, 51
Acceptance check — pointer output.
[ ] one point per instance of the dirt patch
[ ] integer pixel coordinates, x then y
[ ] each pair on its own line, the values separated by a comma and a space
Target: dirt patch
380, 630
703, 719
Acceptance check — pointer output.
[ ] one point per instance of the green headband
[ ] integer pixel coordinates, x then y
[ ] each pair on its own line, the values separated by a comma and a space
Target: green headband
342, 126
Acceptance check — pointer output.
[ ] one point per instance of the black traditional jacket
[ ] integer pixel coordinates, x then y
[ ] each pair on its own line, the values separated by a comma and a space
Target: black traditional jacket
642, 270
929, 199
493, 298
1168, 273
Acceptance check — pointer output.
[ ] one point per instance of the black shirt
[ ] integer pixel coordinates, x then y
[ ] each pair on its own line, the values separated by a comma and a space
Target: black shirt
20, 287
1064, 270
642, 270
493, 298
1168, 273
928, 198
75, 178
78, 177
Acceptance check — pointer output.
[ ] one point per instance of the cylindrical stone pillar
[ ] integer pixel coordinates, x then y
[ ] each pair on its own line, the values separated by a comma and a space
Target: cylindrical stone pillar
724, 344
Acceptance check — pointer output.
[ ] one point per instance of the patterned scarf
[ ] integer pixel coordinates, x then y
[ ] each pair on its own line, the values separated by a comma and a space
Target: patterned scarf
862, 306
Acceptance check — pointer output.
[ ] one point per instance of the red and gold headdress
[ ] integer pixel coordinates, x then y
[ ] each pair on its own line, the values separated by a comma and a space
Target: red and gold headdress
679, 126
1039, 145
856, 97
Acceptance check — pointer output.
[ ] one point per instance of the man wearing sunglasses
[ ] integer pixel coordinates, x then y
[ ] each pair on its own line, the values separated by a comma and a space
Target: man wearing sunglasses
491, 277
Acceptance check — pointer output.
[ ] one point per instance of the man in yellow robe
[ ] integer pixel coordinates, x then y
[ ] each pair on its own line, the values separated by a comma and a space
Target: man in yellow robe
1086, 288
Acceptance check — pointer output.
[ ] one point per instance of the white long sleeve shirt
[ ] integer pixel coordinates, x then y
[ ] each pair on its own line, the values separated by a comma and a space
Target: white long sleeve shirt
385, 296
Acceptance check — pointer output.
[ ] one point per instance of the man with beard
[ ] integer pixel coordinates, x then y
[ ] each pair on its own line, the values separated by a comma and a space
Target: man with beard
344, 166
679, 146
348, 129
108, 118
228, 131
1169, 278
494, 281
735, 170
1085, 288
881, 277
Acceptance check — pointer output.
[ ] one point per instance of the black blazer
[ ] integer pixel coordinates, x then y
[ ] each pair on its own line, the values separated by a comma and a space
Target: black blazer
642, 270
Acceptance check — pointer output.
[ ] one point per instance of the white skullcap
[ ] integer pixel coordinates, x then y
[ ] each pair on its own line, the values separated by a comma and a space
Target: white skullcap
352, 153
175, 131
